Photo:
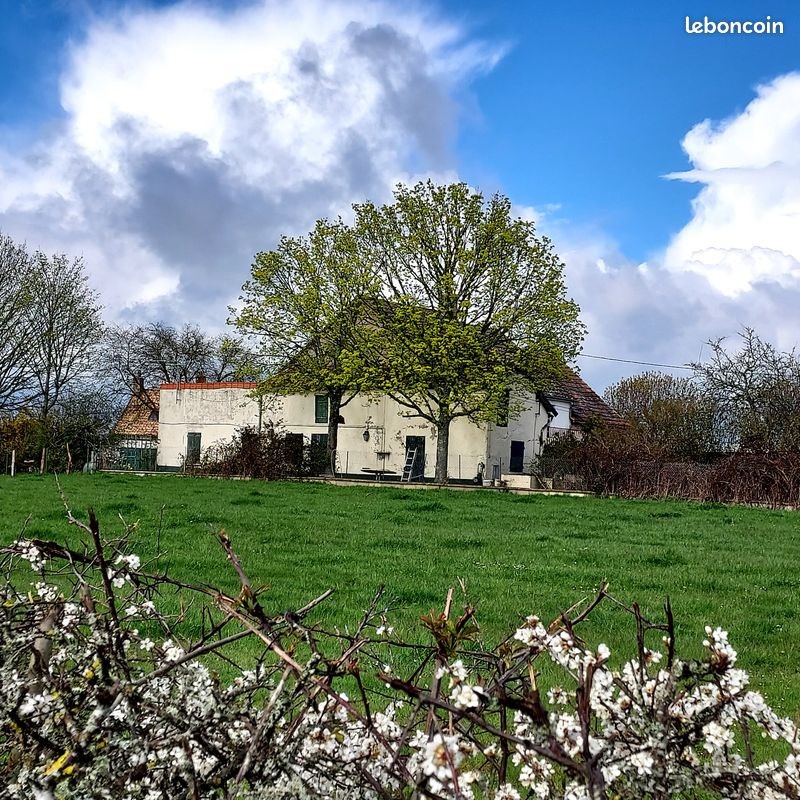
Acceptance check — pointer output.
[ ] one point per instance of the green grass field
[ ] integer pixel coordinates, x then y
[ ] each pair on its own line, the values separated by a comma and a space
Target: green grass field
734, 567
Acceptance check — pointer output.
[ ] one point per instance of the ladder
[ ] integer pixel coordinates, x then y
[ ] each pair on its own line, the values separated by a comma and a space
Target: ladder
408, 469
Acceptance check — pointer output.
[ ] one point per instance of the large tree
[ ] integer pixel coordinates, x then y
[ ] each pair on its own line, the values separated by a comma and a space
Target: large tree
475, 305
16, 301
65, 326
303, 302
65, 331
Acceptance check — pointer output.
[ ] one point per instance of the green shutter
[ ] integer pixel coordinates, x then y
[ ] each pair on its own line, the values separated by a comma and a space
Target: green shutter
321, 408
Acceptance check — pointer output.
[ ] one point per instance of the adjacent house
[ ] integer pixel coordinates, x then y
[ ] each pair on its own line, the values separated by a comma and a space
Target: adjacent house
376, 435
136, 433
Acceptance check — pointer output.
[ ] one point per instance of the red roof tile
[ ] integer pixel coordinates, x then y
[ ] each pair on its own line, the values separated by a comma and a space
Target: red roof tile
586, 404
137, 418
210, 385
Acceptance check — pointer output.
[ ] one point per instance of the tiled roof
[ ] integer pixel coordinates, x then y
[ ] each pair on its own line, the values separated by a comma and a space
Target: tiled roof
586, 404
209, 385
136, 418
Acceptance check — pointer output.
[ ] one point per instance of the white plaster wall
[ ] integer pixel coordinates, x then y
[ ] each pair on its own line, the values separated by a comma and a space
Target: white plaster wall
216, 413
388, 424
526, 426
561, 422
213, 413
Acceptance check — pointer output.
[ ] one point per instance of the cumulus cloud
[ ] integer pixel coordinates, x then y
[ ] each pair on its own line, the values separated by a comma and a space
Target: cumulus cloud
194, 136
735, 263
745, 229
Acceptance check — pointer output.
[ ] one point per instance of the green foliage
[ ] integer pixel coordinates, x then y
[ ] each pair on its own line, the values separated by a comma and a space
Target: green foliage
476, 304
302, 302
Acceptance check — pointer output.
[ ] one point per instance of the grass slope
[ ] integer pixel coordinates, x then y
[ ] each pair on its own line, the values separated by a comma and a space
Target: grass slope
735, 567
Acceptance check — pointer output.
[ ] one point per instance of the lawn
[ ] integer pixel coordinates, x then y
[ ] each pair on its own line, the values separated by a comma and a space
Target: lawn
734, 567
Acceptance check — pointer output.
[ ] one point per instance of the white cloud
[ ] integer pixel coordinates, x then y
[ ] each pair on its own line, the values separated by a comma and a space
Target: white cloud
745, 228
193, 137
735, 263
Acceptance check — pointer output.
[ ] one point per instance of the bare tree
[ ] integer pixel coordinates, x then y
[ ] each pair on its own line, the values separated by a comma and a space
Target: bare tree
137, 357
667, 414
65, 330
757, 390
15, 305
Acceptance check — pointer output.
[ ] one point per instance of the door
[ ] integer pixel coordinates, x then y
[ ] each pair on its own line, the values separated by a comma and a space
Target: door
418, 443
517, 457
318, 453
192, 449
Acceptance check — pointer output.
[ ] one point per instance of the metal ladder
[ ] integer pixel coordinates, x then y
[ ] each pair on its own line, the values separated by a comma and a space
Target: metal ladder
411, 456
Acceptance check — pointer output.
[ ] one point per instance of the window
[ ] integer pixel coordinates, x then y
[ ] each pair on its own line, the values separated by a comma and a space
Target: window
321, 408
517, 456
192, 448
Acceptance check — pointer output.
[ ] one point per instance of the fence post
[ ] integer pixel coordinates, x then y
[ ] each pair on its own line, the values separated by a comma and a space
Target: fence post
13, 462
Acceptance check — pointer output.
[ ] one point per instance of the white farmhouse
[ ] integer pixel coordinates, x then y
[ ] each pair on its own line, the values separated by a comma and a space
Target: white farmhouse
376, 436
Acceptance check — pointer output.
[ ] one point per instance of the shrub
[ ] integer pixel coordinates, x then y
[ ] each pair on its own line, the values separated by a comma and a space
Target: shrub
99, 697
270, 454
614, 462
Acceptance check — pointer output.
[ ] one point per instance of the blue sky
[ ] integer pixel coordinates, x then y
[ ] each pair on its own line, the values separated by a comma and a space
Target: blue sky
589, 107
576, 112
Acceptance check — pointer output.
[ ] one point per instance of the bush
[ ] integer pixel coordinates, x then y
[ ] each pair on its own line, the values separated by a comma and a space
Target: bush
99, 697
616, 463
268, 455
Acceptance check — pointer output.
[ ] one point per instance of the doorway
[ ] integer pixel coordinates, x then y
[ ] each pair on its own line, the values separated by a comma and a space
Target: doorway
418, 469
517, 457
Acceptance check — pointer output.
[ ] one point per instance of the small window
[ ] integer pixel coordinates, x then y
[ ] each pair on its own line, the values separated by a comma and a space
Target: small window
192, 448
321, 408
153, 416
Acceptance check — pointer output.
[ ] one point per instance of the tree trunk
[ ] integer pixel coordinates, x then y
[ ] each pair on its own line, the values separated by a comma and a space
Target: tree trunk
334, 409
442, 446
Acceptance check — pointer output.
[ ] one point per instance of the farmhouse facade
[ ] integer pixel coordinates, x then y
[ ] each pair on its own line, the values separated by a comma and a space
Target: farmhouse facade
376, 435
